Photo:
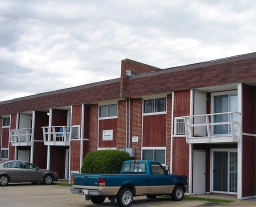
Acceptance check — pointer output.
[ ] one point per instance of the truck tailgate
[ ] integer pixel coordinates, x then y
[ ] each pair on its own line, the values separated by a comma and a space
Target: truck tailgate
86, 179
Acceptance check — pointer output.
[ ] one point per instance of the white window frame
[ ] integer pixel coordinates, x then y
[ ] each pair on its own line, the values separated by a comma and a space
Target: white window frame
154, 148
6, 158
6, 117
107, 104
154, 98
175, 127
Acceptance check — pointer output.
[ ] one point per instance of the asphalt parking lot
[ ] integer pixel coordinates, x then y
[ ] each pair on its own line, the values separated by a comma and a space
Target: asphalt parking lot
15, 195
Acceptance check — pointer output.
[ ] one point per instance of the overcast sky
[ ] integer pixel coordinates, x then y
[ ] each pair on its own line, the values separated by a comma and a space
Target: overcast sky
51, 45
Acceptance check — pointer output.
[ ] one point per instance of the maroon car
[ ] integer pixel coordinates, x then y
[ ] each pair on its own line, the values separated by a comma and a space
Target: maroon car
21, 171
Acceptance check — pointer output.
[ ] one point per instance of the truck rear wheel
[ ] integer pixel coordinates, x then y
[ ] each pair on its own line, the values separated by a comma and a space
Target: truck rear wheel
97, 200
178, 193
124, 197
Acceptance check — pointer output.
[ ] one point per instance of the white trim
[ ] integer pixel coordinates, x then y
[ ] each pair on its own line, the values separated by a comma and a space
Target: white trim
240, 145
249, 135
81, 136
190, 171
172, 125
48, 157
32, 137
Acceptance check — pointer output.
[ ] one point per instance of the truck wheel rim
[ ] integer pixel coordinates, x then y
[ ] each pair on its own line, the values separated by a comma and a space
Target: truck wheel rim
179, 193
127, 198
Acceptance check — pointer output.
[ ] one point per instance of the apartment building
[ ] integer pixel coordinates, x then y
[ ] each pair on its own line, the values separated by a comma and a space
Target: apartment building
197, 120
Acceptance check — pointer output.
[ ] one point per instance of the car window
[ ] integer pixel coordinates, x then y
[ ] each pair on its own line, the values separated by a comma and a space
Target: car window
157, 169
12, 165
28, 165
134, 167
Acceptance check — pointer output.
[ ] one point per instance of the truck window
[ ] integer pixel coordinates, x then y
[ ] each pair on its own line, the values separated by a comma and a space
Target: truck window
134, 167
157, 169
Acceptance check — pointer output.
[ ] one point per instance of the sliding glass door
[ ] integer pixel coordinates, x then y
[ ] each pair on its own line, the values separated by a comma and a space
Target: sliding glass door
225, 171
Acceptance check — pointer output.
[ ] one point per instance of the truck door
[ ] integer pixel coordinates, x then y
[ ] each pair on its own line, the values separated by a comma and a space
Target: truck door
159, 182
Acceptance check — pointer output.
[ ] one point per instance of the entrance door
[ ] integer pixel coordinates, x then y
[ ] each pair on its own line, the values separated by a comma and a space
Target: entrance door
225, 171
23, 155
67, 165
199, 165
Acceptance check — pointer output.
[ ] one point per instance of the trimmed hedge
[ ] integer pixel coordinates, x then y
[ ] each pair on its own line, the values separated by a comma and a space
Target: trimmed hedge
104, 161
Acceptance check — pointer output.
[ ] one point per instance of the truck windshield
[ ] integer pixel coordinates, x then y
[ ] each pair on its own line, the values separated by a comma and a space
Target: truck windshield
134, 167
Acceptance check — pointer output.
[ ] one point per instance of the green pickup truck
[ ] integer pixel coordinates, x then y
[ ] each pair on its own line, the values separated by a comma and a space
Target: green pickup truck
137, 178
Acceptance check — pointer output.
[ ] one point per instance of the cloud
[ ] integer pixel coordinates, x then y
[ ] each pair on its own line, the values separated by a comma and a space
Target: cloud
49, 45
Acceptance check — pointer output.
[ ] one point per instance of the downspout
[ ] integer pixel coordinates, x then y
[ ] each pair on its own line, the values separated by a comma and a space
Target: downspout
129, 137
126, 117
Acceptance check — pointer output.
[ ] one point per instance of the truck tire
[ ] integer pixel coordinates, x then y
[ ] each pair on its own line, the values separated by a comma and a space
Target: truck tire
178, 193
97, 200
124, 197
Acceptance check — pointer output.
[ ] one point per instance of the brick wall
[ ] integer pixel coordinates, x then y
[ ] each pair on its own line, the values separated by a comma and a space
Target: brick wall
136, 68
93, 127
121, 125
136, 125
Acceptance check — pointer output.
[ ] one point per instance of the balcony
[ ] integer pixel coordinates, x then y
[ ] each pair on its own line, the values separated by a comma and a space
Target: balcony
56, 135
213, 128
22, 137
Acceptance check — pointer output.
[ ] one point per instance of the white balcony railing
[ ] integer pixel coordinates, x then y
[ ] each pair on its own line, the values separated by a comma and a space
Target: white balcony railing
22, 137
56, 135
213, 128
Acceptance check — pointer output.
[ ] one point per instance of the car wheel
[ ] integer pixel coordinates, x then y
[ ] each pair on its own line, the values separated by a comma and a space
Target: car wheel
48, 179
97, 200
178, 193
151, 196
124, 197
4, 180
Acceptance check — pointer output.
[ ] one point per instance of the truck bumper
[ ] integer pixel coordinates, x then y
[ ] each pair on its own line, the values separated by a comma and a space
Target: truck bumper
81, 191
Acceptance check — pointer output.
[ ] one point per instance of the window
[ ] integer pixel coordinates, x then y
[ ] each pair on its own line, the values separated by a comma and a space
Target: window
154, 154
157, 169
223, 103
155, 105
134, 167
6, 121
4, 153
179, 126
108, 110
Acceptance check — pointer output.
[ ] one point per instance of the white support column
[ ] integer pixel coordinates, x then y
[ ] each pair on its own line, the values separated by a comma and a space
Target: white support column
49, 147
82, 137
239, 146
190, 145
32, 137
48, 157
172, 126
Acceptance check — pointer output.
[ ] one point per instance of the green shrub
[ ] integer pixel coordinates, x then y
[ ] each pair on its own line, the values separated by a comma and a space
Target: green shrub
104, 161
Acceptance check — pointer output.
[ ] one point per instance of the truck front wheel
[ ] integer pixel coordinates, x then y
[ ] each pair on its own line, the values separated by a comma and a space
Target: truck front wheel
124, 197
97, 200
178, 193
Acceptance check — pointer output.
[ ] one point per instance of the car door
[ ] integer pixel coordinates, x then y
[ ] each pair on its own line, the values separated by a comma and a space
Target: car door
14, 171
31, 174
160, 183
